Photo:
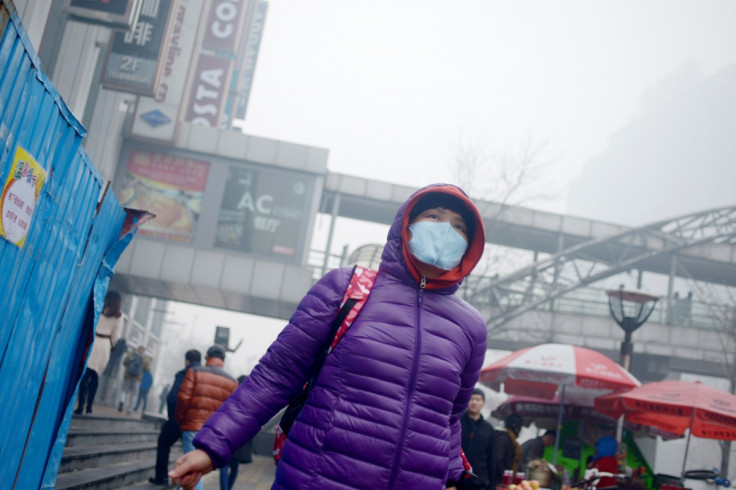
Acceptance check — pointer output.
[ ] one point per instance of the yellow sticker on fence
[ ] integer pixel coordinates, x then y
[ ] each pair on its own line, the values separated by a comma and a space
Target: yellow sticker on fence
20, 196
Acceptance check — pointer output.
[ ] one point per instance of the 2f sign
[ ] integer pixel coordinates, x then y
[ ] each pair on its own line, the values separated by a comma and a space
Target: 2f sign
130, 64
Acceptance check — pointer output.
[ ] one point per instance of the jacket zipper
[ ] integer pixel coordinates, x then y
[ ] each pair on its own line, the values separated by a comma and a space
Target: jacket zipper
412, 381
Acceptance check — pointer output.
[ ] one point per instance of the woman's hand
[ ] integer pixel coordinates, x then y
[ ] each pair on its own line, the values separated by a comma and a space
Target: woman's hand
190, 468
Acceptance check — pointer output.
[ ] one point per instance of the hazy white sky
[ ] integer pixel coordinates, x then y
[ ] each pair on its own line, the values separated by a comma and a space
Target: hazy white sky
388, 86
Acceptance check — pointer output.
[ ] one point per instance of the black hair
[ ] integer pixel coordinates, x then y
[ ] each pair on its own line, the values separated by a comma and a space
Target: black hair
550, 433
478, 391
216, 351
113, 303
440, 199
193, 356
514, 422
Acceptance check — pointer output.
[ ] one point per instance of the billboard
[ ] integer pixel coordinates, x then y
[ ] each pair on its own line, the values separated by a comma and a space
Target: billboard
243, 78
263, 211
224, 26
156, 117
209, 88
116, 14
135, 58
169, 186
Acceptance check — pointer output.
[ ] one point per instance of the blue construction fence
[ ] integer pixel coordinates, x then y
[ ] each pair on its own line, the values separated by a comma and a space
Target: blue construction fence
61, 233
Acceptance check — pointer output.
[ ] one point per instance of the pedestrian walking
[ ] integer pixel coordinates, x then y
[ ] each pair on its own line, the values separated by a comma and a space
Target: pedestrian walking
107, 332
170, 432
384, 410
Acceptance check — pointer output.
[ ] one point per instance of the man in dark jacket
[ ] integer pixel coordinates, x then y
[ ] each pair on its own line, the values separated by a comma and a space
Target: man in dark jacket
170, 432
534, 448
478, 438
202, 392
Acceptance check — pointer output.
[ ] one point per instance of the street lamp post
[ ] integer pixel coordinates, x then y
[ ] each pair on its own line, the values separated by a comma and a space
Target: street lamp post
630, 309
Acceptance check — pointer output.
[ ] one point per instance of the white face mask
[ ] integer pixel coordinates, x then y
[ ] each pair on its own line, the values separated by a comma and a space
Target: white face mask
437, 244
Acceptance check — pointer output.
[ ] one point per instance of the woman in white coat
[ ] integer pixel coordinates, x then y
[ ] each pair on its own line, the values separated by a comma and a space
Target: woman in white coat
107, 333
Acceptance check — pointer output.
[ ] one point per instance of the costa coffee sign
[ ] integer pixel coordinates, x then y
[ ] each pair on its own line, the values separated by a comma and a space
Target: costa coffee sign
225, 26
209, 87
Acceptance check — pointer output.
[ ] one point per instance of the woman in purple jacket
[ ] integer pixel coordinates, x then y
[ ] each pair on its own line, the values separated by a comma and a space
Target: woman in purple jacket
384, 411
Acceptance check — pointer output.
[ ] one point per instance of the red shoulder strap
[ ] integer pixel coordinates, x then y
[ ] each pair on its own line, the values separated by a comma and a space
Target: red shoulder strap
359, 289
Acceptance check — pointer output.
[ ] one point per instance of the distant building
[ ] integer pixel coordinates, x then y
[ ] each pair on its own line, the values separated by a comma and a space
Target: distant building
677, 158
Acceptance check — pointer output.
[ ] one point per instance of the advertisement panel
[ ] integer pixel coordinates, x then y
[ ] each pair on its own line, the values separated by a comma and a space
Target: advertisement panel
224, 29
246, 72
209, 87
116, 14
135, 58
169, 186
156, 117
262, 212
19, 197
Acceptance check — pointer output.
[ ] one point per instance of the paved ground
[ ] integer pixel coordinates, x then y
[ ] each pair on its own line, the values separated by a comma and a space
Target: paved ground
254, 476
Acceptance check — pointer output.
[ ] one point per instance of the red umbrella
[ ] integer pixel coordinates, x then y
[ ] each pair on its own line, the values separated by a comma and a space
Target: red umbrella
675, 406
541, 370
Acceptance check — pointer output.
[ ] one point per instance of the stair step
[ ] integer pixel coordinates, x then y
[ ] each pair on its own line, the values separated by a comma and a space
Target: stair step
108, 422
92, 437
122, 474
81, 457
106, 477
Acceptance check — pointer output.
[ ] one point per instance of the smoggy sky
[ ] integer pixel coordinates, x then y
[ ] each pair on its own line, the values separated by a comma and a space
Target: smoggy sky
389, 87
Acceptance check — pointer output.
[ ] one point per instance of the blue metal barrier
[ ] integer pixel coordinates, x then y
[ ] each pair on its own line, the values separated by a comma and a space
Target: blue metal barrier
55, 279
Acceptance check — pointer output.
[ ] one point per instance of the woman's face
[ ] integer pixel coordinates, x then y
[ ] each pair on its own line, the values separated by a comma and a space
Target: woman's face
440, 214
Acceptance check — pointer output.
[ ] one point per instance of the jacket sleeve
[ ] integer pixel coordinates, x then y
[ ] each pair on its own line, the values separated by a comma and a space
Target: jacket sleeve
279, 375
184, 397
468, 380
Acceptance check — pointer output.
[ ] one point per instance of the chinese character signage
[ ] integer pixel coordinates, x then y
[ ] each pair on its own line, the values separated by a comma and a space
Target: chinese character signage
247, 69
168, 186
20, 196
116, 14
262, 212
156, 117
134, 61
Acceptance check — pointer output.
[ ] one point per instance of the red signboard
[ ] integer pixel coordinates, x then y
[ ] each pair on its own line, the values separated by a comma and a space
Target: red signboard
225, 25
209, 86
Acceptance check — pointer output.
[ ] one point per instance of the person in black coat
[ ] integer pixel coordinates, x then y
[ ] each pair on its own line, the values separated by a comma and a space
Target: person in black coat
170, 432
507, 452
477, 440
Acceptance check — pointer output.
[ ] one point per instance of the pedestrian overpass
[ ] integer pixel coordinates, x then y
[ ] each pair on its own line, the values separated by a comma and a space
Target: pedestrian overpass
555, 292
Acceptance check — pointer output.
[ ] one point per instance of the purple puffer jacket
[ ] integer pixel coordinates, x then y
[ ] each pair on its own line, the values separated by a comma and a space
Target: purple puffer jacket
385, 409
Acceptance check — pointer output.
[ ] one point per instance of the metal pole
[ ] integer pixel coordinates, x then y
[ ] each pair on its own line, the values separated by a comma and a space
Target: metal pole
559, 424
626, 349
333, 218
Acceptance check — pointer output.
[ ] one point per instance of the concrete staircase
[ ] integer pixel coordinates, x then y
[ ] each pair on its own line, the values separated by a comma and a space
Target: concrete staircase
108, 450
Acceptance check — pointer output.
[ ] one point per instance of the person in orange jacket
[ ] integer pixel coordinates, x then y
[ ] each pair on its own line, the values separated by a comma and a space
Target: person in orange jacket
202, 392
